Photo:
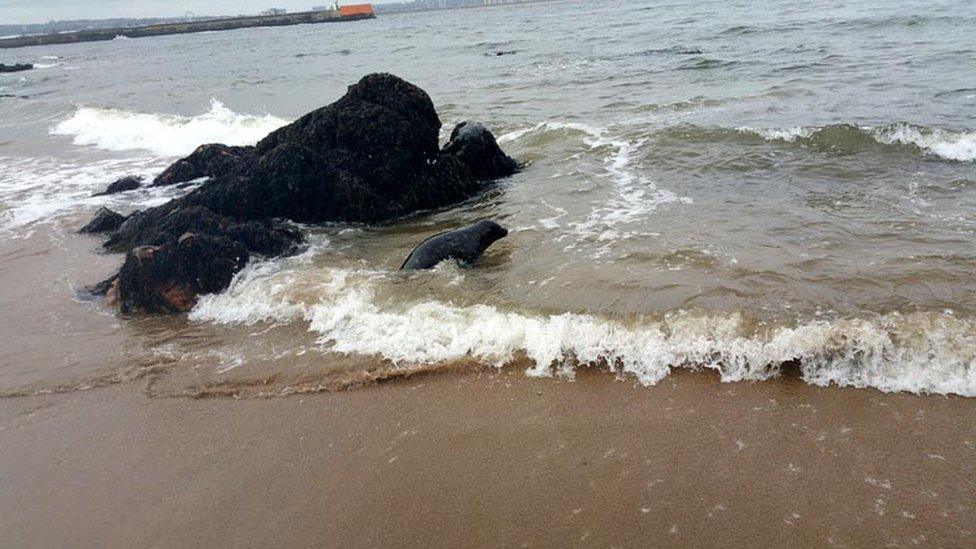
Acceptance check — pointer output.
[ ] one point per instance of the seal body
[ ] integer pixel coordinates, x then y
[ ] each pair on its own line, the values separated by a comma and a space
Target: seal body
464, 245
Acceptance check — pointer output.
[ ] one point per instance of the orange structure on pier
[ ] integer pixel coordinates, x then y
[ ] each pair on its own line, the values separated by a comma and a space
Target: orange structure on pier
356, 9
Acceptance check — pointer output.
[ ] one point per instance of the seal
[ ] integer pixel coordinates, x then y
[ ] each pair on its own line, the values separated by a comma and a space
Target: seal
464, 245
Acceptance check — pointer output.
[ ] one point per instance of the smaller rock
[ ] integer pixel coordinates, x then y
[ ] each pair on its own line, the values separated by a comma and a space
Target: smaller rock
501, 53
170, 278
107, 288
474, 145
129, 183
16, 68
105, 221
207, 161
156, 227
265, 238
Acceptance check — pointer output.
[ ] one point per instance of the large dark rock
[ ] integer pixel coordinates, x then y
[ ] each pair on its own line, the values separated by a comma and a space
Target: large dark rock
105, 221
177, 254
128, 183
170, 278
369, 157
16, 68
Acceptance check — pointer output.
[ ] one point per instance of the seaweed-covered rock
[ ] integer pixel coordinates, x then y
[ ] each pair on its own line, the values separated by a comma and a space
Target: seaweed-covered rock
128, 183
177, 253
371, 156
264, 238
169, 278
206, 161
105, 221
157, 226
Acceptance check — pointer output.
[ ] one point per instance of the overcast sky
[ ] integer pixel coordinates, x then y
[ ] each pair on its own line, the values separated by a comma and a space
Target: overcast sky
41, 11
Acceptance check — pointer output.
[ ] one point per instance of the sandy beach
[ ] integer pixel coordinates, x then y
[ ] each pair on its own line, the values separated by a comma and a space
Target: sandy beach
687, 274
492, 459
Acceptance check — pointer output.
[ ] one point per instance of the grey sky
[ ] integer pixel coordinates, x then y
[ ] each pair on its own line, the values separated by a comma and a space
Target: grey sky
40, 11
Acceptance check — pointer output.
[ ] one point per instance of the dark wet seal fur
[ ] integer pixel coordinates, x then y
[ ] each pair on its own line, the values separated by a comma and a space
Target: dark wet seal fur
464, 245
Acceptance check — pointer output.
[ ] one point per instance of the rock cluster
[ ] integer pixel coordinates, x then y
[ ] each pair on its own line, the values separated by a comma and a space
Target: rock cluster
128, 183
16, 68
370, 157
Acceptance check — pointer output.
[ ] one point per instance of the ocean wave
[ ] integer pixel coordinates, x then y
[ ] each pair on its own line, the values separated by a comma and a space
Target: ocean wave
950, 145
946, 144
739, 30
34, 190
904, 20
164, 134
918, 352
705, 63
636, 195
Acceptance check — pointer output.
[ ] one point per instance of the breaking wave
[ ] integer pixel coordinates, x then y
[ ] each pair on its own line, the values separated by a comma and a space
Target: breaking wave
164, 134
37, 190
916, 352
946, 144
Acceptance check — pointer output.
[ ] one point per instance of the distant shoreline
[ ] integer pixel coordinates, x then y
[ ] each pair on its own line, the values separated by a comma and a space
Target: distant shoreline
10, 30
209, 25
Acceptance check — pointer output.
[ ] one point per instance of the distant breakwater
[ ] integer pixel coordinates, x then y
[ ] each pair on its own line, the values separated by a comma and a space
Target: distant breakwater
95, 35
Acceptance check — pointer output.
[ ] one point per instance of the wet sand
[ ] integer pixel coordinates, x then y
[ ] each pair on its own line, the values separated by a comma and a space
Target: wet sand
491, 459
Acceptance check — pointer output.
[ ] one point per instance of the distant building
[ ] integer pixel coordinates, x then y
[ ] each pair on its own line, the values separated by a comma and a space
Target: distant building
274, 11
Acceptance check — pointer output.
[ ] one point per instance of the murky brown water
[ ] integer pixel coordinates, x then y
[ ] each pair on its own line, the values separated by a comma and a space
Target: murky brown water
698, 192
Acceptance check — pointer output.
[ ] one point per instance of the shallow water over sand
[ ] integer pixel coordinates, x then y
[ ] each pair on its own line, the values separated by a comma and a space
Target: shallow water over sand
704, 186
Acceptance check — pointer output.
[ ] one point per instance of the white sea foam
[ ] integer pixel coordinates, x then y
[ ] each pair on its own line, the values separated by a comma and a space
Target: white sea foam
921, 352
516, 134
635, 195
36, 190
781, 134
163, 134
947, 144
